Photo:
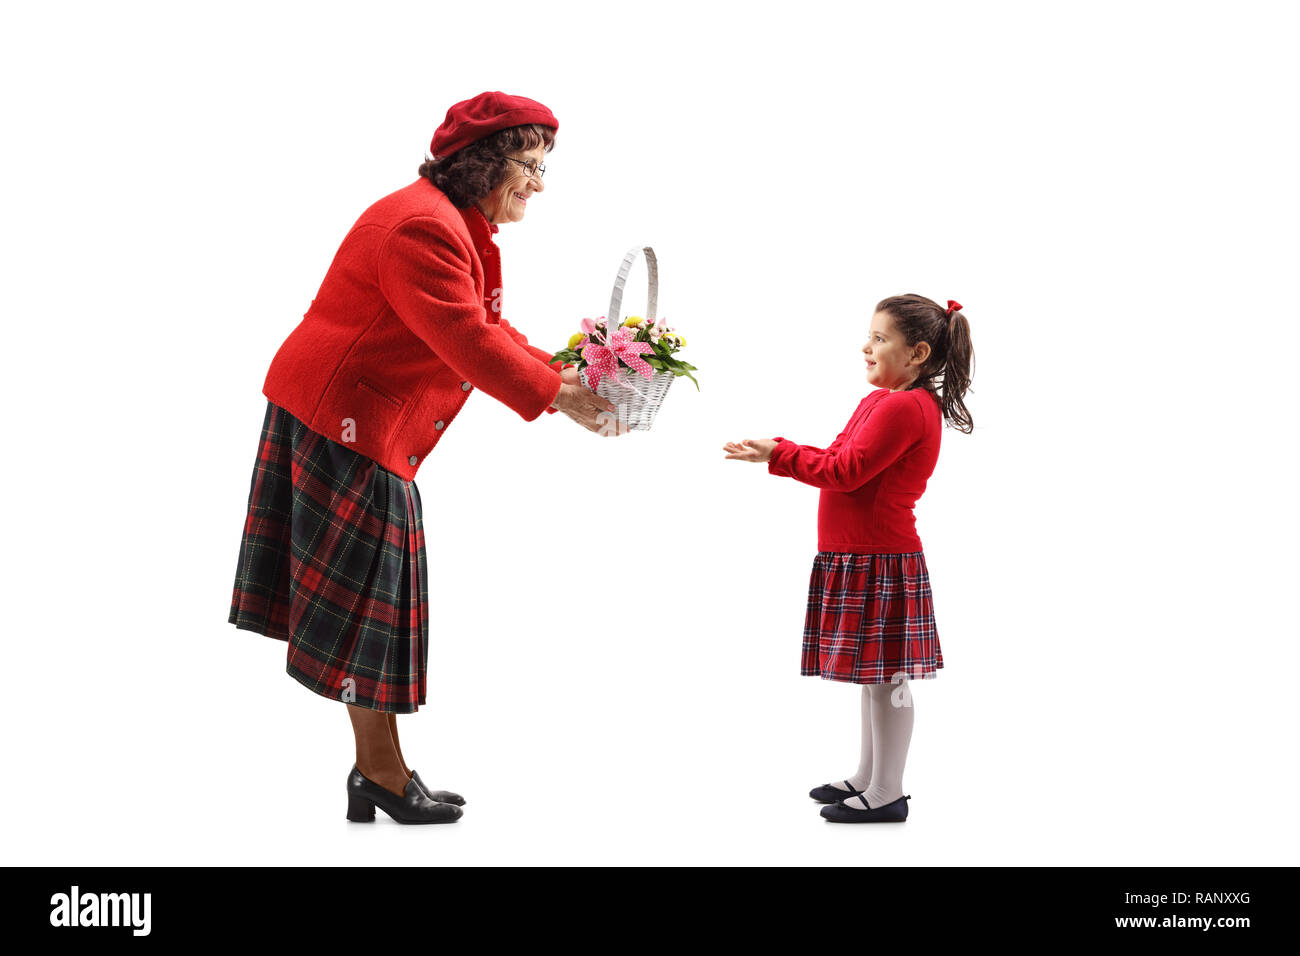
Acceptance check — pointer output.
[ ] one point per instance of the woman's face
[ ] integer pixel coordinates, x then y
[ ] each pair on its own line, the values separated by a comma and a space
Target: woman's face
891, 363
507, 202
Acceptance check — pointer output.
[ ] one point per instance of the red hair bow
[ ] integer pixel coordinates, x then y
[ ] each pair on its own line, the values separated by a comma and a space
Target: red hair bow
953, 306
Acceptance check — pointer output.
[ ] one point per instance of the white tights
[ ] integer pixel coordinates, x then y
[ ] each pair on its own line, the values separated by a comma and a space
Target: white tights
887, 716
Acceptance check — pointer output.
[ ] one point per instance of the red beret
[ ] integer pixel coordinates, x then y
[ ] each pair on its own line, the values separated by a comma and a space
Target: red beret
470, 120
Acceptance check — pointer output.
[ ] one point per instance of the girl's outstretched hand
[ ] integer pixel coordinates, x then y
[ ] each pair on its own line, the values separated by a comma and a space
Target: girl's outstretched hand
751, 449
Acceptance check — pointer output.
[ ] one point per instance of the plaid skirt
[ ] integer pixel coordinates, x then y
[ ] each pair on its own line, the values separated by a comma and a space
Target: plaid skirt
870, 617
332, 561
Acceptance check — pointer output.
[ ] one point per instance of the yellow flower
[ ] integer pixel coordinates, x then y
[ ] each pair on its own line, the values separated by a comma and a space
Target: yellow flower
630, 321
573, 342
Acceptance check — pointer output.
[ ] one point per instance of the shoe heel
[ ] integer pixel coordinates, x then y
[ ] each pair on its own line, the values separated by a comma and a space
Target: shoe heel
360, 810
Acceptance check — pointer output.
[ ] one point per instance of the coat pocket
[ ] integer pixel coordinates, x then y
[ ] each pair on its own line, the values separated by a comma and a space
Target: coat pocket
368, 386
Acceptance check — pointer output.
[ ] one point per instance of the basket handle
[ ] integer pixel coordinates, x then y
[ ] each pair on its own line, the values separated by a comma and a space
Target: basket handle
615, 315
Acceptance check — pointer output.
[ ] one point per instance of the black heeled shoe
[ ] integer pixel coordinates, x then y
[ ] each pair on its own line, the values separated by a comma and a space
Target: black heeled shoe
439, 796
895, 812
828, 794
414, 806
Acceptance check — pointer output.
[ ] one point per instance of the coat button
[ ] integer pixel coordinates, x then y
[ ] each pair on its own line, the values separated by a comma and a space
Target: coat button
464, 386
439, 425
412, 459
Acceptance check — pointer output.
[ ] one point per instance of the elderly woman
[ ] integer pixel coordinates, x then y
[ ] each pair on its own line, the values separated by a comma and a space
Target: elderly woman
406, 325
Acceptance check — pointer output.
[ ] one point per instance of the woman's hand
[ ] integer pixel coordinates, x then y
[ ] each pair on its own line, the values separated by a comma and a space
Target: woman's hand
751, 449
586, 407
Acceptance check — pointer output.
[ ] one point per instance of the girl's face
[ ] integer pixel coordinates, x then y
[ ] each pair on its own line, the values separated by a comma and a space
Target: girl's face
507, 202
891, 363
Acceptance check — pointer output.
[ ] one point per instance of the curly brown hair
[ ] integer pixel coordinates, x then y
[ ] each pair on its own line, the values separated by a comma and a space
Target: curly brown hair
473, 171
946, 374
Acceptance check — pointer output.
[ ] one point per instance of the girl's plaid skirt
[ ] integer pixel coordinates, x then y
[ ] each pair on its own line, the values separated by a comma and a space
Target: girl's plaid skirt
870, 618
332, 561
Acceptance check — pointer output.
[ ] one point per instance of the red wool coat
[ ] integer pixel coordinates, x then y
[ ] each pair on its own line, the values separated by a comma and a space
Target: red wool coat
406, 324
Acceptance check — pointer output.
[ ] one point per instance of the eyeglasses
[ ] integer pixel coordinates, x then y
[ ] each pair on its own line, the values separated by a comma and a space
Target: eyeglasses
531, 169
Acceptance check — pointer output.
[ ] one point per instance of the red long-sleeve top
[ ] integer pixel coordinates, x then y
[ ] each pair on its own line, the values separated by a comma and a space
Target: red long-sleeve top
872, 474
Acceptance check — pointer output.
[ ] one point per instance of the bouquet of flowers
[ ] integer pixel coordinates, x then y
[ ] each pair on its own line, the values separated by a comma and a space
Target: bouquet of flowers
638, 345
633, 365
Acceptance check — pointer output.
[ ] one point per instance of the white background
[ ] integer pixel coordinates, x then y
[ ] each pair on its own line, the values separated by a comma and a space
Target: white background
1109, 190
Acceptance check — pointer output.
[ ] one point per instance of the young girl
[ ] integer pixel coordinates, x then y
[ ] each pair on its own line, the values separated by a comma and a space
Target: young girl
870, 617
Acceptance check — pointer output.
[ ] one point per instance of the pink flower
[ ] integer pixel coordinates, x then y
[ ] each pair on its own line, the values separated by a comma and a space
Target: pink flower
588, 326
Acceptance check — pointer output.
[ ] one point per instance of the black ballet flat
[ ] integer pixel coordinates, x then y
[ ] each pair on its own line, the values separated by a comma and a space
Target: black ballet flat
439, 796
895, 812
828, 794
414, 806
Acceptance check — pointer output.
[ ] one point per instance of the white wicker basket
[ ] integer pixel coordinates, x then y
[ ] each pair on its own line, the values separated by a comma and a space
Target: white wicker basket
636, 397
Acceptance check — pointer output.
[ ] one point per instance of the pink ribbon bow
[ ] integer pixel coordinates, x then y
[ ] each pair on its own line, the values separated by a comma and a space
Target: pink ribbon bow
602, 362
